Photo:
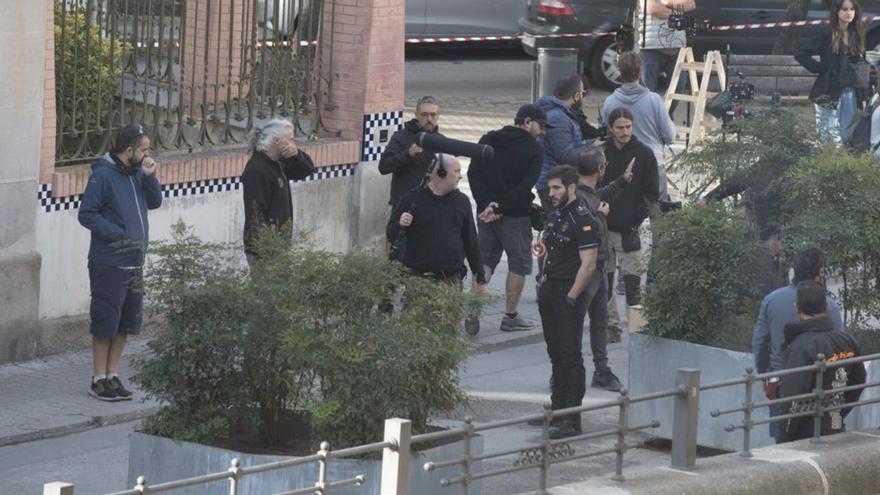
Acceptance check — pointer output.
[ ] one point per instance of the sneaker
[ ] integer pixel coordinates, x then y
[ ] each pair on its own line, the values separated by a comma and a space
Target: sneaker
603, 378
122, 392
472, 325
516, 324
564, 430
614, 334
102, 390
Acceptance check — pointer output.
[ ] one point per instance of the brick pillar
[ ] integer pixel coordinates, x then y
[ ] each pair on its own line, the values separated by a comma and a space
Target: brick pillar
367, 70
213, 50
47, 146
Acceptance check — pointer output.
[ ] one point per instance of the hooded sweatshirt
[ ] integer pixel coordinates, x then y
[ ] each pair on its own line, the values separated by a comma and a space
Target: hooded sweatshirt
509, 177
630, 208
652, 125
564, 141
406, 171
114, 208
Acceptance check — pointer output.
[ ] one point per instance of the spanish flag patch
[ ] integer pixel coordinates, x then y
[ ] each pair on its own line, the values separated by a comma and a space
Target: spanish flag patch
587, 228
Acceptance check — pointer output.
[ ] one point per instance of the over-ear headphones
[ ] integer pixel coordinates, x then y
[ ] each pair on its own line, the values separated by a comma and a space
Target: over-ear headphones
441, 170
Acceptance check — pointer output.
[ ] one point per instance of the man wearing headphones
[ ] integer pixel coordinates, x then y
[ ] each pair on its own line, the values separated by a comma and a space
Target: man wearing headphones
438, 222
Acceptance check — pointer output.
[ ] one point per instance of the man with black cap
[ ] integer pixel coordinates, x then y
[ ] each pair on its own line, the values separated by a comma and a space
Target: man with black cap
502, 189
123, 186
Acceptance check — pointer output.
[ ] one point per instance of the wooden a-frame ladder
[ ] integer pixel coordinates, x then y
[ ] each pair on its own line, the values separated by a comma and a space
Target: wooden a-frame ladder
699, 74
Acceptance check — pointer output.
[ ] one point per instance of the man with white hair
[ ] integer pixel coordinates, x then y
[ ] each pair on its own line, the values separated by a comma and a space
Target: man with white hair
438, 222
274, 162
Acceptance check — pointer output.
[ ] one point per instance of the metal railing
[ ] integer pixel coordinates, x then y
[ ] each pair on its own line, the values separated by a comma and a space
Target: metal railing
397, 442
198, 73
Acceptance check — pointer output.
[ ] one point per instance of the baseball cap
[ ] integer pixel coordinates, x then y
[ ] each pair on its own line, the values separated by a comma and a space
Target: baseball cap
127, 136
531, 111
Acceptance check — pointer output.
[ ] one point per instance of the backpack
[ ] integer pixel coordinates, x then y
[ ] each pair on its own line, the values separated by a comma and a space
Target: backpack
857, 134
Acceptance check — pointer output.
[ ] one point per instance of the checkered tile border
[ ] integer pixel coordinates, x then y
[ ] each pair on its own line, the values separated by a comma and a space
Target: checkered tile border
49, 204
378, 129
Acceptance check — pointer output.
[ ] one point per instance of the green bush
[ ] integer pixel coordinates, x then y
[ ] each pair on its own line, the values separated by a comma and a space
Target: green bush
88, 68
300, 335
704, 277
832, 200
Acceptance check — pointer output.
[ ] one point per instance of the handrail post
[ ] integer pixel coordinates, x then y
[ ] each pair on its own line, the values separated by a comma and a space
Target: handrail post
234, 474
545, 449
57, 488
747, 414
396, 458
820, 398
622, 421
322, 486
468, 458
685, 418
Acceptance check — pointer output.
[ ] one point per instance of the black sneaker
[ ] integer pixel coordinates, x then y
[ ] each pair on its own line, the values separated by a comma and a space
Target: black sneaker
122, 392
472, 325
102, 390
564, 430
605, 379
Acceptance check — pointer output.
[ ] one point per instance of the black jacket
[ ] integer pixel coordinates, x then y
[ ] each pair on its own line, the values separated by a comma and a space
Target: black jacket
508, 178
441, 235
593, 198
406, 171
826, 87
630, 208
804, 341
266, 185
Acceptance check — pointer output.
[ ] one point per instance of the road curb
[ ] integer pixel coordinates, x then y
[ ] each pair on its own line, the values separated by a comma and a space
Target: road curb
94, 422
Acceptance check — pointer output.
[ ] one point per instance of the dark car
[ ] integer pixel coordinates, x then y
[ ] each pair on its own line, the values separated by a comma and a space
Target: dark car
598, 54
437, 18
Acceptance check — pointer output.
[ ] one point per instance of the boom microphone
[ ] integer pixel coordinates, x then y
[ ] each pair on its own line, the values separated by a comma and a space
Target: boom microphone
436, 143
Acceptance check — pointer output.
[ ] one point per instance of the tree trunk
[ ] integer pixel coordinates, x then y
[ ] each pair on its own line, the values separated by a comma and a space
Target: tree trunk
789, 38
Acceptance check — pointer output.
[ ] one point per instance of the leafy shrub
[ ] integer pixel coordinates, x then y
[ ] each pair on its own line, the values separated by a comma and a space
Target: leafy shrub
301, 334
704, 277
833, 201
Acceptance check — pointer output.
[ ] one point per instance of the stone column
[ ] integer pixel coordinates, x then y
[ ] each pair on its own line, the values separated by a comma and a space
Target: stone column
25, 29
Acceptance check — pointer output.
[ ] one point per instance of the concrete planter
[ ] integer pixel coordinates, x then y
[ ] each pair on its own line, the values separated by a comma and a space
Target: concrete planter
653, 362
160, 459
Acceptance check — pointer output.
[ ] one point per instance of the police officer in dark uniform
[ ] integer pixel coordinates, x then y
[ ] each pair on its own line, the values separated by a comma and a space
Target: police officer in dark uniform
571, 243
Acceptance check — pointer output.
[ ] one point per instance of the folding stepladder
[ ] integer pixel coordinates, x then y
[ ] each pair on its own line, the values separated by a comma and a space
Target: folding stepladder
699, 74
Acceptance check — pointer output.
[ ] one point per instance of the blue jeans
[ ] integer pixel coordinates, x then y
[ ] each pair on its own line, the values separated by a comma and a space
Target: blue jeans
832, 121
655, 62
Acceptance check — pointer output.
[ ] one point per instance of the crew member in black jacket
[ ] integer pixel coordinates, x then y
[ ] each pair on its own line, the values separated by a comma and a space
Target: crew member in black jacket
274, 162
815, 334
630, 208
439, 223
502, 189
408, 163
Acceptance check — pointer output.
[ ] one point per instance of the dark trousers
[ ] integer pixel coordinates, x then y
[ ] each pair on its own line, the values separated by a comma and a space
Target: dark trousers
598, 311
564, 333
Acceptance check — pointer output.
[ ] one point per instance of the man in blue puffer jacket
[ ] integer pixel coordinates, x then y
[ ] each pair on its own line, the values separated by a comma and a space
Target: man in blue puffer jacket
123, 186
564, 141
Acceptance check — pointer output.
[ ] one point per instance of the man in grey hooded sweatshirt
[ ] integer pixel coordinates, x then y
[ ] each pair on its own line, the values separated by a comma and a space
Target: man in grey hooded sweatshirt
653, 126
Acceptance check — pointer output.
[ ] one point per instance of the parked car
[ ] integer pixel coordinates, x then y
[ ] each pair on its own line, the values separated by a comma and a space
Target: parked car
434, 18
599, 56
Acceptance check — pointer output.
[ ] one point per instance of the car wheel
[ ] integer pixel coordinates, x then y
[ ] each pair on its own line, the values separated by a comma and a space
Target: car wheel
603, 65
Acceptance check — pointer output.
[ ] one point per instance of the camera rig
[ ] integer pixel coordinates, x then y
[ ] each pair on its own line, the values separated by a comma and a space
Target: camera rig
691, 25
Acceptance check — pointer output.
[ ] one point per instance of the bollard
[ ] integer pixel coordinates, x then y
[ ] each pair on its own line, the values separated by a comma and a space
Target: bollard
395, 459
685, 414
553, 64
57, 488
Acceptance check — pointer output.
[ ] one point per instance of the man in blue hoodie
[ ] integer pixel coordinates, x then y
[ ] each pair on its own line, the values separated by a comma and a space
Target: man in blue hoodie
563, 140
123, 186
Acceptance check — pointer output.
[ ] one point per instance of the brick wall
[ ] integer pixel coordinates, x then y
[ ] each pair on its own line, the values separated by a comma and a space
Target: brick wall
47, 153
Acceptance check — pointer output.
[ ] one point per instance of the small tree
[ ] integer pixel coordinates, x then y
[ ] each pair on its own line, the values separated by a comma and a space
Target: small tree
833, 201
704, 273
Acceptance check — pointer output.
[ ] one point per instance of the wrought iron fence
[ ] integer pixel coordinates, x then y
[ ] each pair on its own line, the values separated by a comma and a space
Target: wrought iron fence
198, 73
542, 455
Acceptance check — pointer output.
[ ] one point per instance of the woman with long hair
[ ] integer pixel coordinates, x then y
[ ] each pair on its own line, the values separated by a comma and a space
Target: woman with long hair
841, 81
